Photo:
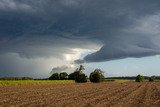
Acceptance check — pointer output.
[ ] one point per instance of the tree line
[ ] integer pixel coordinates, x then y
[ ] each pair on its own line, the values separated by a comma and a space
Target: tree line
79, 76
16, 78
95, 76
134, 77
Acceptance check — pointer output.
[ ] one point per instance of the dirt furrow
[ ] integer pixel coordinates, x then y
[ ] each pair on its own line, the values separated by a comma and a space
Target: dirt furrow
107, 94
137, 98
75, 95
97, 97
155, 95
113, 100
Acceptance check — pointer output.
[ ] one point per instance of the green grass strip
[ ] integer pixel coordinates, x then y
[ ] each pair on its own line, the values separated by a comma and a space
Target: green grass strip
34, 82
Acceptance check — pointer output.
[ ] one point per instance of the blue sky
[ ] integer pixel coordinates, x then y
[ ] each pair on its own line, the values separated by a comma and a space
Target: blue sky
148, 66
41, 37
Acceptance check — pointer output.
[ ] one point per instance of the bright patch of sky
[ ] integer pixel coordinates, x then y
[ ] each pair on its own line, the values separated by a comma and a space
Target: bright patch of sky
131, 66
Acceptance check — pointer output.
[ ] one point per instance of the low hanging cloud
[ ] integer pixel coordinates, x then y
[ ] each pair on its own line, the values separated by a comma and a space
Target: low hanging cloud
111, 53
60, 69
139, 40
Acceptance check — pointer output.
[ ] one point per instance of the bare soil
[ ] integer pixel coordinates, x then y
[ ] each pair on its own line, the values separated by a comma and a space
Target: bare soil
107, 94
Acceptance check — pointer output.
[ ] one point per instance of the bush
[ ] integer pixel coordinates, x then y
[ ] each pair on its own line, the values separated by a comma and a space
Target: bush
139, 78
63, 76
54, 76
96, 76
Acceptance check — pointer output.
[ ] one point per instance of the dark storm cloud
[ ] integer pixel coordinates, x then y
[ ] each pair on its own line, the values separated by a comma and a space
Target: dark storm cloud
47, 28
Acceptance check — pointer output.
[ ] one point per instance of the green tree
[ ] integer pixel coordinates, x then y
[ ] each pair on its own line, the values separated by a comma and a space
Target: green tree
63, 76
81, 78
81, 68
96, 76
71, 76
78, 75
139, 78
54, 76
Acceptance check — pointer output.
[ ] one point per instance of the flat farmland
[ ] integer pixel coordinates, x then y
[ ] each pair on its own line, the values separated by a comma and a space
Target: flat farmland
107, 94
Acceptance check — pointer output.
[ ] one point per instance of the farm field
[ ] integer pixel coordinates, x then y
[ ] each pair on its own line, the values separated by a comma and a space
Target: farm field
106, 94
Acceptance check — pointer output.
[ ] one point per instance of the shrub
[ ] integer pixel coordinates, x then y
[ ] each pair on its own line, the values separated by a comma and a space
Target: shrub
54, 76
96, 76
139, 78
63, 76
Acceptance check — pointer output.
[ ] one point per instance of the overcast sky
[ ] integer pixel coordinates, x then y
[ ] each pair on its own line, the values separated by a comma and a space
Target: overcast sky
40, 37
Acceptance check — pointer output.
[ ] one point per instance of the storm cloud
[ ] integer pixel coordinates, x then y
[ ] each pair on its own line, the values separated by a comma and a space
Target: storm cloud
51, 28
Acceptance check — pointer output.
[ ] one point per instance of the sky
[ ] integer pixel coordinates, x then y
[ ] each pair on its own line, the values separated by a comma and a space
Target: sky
40, 37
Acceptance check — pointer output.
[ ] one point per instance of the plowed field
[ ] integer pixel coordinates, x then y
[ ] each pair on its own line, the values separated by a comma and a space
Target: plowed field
128, 94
